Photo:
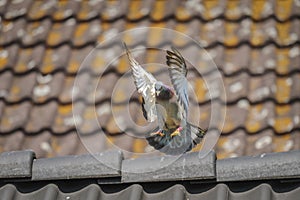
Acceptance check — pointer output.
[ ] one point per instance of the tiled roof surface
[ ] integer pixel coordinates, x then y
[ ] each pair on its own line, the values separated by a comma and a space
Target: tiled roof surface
255, 45
107, 175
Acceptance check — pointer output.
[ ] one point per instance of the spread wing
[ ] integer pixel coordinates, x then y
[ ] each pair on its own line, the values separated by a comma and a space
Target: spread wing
145, 84
178, 72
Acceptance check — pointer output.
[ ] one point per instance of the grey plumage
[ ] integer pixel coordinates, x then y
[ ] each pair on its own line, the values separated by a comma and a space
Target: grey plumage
174, 134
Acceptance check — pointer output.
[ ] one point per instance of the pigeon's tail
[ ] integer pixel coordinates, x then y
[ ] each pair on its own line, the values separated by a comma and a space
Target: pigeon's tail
188, 138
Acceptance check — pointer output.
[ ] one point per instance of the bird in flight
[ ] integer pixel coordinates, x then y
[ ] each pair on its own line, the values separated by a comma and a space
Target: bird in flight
169, 106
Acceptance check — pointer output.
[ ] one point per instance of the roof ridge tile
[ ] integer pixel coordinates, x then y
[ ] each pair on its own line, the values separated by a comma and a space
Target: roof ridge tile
16, 164
260, 167
98, 165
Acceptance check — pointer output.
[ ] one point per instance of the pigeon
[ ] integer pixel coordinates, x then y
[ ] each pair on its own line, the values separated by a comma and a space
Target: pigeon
169, 106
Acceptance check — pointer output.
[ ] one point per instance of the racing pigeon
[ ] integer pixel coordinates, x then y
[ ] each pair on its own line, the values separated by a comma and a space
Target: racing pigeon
174, 135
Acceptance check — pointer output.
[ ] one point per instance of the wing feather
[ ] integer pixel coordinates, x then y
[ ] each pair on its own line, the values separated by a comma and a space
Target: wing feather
145, 84
178, 73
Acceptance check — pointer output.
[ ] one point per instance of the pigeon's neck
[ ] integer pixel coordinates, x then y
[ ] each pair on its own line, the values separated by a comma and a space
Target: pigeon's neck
165, 95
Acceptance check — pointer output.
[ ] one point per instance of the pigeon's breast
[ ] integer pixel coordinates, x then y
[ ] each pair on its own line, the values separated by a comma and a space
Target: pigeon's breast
169, 112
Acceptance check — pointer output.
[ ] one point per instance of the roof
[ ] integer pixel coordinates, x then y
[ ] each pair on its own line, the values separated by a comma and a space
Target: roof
255, 46
108, 175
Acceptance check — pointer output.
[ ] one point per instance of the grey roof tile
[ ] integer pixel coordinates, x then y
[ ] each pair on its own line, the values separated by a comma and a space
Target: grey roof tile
16, 164
157, 37
101, 88
21, 87
295, 86
41, 9
41, 117
90, 121
139, 9
29, 59
47, 87
114, 9
75, 88
138, 36
65, 9
295, 114
285, 142
45, 144
200, 115
125, 143
123, 118
55, 59
61, 145
160, 10
3, 6
264, 166
103, 112
61, 32
12, 31
5, 83
284, 115
123, 90
235, 117
294, 56
17, 9
296, 140
232, 145
259, 143
14, 116
110, 29
211, 32
36, 32
236, 87
90, 9
257, 113
261, 87
87, 32
1, 108
178, 191
38, 143
8, 56
68, 117
78, 61
288, 33
235, 59
92, 143
167, 168
190, 29
100, 165
11, 142
263, 32
218, 55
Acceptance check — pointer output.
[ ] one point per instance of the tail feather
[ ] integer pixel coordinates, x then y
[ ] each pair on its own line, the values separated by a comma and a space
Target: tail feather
197, 133
189, 137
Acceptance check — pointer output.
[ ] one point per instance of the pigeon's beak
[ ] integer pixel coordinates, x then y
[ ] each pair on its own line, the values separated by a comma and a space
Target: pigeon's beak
157, 92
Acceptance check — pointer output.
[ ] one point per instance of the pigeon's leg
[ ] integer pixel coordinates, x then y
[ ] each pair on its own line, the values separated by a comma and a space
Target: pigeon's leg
159, 132
177, 131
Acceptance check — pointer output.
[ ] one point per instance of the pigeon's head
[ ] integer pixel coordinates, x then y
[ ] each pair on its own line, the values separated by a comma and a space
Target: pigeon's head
163, 92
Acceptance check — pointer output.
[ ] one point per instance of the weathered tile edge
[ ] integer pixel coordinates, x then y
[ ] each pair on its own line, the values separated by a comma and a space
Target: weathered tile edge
261, 167
99, 165
16, 164
170, 168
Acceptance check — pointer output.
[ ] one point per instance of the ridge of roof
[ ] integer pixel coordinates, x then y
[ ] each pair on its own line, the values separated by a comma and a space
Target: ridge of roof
111, 167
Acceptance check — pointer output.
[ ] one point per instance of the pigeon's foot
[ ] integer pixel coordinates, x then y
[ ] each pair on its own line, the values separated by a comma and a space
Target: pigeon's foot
160, 133
177, 131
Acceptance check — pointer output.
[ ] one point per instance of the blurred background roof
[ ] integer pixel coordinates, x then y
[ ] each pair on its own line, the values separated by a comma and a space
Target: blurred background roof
254, 44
